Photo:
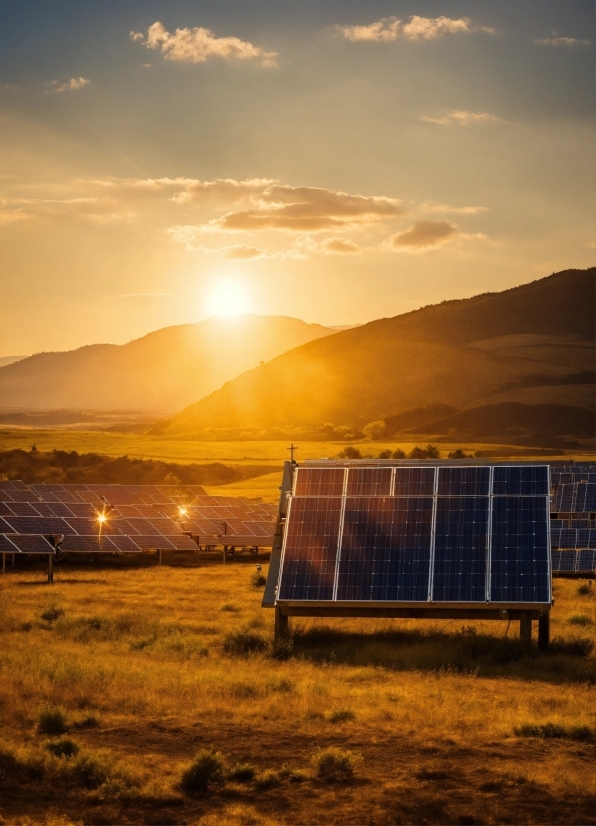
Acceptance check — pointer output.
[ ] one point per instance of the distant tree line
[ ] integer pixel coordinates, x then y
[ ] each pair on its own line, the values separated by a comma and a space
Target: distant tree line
61, 467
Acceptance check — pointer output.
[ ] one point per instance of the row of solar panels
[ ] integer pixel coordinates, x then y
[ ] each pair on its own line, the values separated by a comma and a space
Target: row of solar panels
460, 534
576, 562
572, 538
574, 497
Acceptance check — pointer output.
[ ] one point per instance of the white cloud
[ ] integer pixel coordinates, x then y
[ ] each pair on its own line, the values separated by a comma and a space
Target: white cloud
443, 208
569, 42
461, 118
418, 28
73, 83
198, 45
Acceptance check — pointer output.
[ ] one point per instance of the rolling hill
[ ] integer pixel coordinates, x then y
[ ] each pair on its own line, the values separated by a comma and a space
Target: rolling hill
158, 373
519, 352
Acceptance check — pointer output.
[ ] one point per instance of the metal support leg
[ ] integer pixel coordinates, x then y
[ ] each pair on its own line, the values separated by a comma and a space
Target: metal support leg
50, 568
544, 631
13, 560
3, 563
525, 628
282, 625
159, 554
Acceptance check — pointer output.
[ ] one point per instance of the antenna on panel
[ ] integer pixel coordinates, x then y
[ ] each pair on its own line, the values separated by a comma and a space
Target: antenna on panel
292, 448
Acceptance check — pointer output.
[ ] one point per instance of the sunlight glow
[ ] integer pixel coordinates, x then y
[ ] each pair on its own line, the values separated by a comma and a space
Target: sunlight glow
182, 511
101, 518
228, 299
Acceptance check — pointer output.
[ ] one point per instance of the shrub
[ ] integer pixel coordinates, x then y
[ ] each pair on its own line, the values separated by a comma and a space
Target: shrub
63, 748
349, 452
384, 454
244, 641
334, 765
282, 649
297, 775
242, 773
458, 453
428, 452
341, 715
230, 607
580, 619
90, 770
88, 721
283, 686
206, 771
51, 720
52, 613
584, 589
555, 731
8, 763
398, 454
258, 579
267, 779
574, 647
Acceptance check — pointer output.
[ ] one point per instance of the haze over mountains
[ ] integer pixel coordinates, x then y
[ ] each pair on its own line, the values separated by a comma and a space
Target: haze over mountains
160, 373
518, 363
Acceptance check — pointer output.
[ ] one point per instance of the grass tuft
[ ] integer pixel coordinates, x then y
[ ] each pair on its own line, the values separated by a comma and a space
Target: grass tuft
52, 613
334, 765
51, 720
267, 779
555, 731
585, 589
573, 647
244, 642
580, 619
65, 747
205, 772
258, 580
341, 715
242, 773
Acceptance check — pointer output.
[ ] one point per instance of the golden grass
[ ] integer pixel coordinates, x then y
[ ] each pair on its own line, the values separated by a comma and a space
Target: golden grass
141, 650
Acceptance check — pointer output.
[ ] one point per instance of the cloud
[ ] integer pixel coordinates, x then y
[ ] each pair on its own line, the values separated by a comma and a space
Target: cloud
303, 247
339, 246
569, 42
418, 28
11, 216
424, 235
73, 83
199, 45
306, 209
462, 118
463, 210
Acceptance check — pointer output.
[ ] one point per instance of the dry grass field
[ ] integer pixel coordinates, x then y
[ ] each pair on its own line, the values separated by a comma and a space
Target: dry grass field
118, 675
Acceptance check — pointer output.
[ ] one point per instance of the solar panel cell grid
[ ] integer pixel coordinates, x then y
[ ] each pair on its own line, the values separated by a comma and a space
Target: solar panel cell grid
310, 550
6, 546
520, 480
319, 481
32, 544
461, 549
464, 481
586, 561
385, 549
38, 525
519, 550
369, 481
414, 481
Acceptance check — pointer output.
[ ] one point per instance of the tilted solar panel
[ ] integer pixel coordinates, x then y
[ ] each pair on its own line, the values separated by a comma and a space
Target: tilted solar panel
124, 544
385, 549
310, 552
414, 481
520, 549
564, 561
6, 546
45, 526
369, 481
586, 561
520, 480
319, 481
464, 481
461, 549
34, 544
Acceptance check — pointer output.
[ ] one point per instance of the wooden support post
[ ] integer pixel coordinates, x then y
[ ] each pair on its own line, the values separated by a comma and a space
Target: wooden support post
50, 568
525, 628
282, 625
544, 631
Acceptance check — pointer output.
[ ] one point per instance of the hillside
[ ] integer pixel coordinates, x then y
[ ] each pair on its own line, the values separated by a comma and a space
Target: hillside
530, 346
159, 373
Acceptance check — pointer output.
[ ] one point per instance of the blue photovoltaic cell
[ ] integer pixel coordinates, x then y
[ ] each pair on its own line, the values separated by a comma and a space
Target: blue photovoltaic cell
310, 549
586, 561
414, 481
369, 481
519, 549
520, 480
385, 549
585, 499
464, 481
563, 561
461, 549
314, 481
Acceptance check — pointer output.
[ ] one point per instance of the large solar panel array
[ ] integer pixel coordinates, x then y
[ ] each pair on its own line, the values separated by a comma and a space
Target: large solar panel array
573, 517
126, 519
446, 534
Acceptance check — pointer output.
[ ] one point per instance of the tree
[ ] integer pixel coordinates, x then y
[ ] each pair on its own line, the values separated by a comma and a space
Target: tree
374, 430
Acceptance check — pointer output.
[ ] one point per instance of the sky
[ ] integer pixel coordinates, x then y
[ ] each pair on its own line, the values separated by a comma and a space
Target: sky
162, 161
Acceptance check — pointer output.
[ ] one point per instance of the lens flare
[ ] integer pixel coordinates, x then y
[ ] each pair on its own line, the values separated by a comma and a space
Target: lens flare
228, 299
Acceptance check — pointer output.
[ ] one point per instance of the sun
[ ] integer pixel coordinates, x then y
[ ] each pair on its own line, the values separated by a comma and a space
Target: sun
228, 299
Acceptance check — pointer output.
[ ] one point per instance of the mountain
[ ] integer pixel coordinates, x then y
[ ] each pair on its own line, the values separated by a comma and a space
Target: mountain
532, 345
10, 359
161, 372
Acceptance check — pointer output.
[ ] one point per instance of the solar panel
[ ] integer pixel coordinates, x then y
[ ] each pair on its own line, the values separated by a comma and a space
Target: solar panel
369, 481
563, 561
85, 544
464, 481
6, 546
461, 549
520, 549
34, 544
385, 549
319, 481
310, 552
520, 480
414, 481
462, 534
38, 524
123, 544
586, 561
180, 542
